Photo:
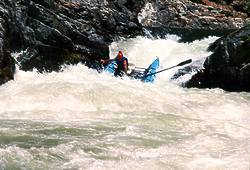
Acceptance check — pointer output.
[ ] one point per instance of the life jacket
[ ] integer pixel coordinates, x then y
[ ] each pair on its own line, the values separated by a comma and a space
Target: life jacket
120, 63
120, 66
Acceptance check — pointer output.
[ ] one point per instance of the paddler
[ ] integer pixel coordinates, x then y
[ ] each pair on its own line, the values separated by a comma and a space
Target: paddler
122, 64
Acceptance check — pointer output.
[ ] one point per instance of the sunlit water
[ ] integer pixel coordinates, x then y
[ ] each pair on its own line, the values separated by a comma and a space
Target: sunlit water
80, 119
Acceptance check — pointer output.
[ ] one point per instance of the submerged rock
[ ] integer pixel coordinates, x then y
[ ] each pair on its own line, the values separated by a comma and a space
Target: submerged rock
229, 65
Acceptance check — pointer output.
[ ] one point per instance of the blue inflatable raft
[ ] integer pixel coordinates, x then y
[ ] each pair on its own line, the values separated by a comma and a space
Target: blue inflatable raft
148, 75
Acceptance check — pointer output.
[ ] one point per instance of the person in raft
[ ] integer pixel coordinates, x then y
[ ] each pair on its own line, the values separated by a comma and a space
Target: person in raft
122, 64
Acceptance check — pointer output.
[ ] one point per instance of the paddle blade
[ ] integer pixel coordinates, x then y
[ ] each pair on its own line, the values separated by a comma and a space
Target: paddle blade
184, 62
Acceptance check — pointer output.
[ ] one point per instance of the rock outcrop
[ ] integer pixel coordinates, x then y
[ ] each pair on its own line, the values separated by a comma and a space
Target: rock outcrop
229, 65
193, 19
66, 32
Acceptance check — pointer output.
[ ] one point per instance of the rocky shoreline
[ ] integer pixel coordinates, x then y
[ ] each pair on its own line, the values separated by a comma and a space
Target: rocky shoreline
56, 32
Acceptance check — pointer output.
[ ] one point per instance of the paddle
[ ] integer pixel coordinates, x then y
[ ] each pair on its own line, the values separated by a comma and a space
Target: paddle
180, 64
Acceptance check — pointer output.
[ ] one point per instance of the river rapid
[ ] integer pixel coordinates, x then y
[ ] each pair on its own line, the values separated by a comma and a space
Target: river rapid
81, 119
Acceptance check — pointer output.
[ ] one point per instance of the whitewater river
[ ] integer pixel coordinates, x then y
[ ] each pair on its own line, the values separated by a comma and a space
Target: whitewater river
80, 119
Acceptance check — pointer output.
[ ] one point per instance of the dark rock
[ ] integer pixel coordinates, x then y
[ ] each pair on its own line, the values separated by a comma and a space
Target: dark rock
7, 64
186, 34
50, 36
54, 33
228, 66
184, 71
47, 58
7, 68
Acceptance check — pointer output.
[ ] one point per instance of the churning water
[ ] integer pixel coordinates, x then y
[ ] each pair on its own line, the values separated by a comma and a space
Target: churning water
80, 119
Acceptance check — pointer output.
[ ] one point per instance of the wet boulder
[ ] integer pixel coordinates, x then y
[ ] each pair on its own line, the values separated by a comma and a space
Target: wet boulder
228, 67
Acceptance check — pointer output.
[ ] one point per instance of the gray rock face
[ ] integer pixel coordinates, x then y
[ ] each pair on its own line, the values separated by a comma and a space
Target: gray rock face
72, 31
187, 14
